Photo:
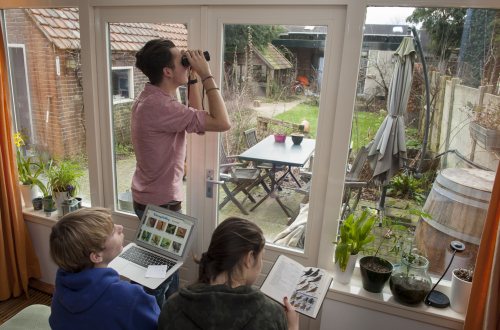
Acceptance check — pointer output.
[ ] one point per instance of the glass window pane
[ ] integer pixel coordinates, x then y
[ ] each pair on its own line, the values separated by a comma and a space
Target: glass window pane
46, 84
272, 80
427, 175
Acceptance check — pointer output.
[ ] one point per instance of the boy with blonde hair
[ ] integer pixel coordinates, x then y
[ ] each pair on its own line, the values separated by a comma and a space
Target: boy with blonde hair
88, 294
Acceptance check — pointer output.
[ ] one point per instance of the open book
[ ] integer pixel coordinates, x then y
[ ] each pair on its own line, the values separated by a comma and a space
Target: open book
305, 287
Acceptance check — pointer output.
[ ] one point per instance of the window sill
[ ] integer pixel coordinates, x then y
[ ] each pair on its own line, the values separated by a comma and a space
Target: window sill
354, 294
120, 101
39, 217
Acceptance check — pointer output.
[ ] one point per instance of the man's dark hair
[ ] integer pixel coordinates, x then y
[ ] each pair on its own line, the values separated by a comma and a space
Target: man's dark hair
153, 57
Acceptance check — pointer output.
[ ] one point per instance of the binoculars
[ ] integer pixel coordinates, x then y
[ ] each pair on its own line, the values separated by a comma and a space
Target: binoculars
185, 61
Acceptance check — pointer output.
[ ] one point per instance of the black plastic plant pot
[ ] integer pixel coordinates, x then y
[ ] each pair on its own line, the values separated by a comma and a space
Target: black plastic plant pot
49, 205
37, 203
375, 272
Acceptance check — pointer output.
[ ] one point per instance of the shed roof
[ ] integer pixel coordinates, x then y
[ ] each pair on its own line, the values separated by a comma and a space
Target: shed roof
273, 58
61, 26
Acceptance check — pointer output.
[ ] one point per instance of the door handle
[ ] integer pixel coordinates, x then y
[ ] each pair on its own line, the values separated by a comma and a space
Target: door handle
215, 182
209, 191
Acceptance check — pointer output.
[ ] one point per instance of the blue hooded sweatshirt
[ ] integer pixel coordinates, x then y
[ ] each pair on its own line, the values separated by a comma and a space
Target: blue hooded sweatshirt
97, 299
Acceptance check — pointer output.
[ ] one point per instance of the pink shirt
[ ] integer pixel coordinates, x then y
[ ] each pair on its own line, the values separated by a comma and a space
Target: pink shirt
159, 126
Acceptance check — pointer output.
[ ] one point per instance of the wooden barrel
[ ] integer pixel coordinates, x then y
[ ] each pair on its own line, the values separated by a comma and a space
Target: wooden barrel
457, 203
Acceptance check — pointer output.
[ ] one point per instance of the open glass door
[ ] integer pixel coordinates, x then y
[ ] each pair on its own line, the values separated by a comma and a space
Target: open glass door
278, 77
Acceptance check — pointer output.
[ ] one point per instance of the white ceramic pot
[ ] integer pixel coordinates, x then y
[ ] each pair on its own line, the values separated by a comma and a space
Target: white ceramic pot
344, 277
59, 197
26, 193
460, 293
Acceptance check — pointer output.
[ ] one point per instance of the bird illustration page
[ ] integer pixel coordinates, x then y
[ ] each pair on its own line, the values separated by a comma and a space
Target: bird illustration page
305, 287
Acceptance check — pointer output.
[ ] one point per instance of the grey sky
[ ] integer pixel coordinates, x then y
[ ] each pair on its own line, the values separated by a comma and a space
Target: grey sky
388, 15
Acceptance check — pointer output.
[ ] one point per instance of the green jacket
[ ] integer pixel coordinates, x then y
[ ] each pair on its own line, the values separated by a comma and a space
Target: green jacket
210, 307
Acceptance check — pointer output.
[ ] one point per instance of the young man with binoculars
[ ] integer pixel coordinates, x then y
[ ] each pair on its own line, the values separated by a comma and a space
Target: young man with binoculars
160, 124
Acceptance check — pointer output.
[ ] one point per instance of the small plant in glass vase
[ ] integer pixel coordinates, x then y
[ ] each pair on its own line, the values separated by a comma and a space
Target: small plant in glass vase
355, 233
63, 179
410, 282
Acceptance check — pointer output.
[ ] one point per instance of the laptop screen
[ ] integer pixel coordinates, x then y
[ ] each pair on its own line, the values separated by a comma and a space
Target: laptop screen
165, 230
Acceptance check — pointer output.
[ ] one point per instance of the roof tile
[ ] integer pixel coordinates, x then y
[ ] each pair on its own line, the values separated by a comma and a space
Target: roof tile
61, 26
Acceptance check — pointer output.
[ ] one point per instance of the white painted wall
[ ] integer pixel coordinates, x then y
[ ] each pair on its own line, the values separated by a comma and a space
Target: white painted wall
338, 315
40, 234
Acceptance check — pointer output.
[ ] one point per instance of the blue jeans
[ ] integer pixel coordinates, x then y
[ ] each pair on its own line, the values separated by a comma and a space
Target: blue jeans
168, 287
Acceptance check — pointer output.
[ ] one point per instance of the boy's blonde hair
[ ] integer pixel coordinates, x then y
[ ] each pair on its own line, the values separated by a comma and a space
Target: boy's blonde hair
77, 234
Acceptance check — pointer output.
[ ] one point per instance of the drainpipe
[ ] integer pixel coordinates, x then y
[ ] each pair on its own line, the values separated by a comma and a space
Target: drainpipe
427, 98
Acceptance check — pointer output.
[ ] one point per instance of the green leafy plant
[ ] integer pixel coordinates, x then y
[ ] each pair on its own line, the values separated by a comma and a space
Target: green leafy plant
355, 234
64, 177
405, 185
395, 236
27, 167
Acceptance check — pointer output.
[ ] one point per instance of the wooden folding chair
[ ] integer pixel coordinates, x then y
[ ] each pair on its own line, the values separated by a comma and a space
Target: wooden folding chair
243, 179
352, 185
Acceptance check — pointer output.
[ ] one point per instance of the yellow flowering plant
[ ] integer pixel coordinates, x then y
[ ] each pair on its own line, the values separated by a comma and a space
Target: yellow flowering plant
29, 168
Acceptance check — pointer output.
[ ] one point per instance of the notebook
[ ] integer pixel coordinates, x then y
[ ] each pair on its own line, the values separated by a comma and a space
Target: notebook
162, 238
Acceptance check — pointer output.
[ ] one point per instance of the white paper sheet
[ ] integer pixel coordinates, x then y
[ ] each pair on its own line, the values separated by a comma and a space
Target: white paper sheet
157, 271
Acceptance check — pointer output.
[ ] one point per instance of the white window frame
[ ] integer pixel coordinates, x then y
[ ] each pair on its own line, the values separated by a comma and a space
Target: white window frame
28, 91
130, 74
333, 168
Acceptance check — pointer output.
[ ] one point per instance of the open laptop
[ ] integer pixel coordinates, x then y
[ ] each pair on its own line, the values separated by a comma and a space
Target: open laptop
162, 238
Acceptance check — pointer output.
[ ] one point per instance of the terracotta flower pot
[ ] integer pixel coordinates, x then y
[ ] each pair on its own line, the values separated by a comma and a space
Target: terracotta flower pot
26, 193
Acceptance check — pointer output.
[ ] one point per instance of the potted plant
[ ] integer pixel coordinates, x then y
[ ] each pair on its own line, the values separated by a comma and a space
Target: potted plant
355, 234
375, 271
297, 138
279, 130
410, 283
63, 180
461, 285
485, 125
29, 169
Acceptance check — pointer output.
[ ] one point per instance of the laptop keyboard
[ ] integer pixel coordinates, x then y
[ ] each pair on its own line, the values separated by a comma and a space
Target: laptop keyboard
145, 258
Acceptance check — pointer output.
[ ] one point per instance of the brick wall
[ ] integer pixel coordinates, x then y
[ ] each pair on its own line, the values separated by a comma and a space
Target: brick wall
63, 135
53, 97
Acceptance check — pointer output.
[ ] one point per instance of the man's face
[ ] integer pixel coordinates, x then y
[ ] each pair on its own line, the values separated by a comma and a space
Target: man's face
180, 74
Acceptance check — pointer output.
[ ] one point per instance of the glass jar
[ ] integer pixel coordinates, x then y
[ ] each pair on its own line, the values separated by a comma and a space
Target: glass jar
410, 281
